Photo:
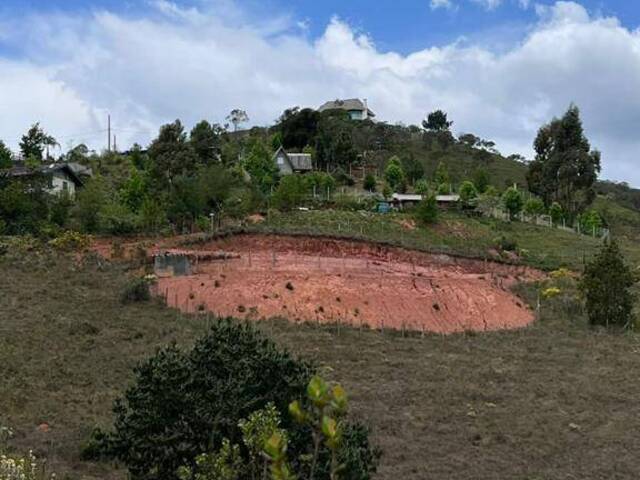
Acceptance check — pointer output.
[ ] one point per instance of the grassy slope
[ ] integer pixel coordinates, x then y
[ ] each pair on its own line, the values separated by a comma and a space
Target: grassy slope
455, 233
551, 401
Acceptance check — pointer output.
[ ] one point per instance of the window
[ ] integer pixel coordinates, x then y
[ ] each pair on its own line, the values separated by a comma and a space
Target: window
65, 186
280, 160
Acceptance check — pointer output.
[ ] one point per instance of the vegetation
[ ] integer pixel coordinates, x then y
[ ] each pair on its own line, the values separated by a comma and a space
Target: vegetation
80, 362
202, 396
606, 284
565, 168
427, 210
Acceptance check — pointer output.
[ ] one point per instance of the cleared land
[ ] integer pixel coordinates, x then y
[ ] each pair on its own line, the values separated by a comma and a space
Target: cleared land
552, 401
324, 280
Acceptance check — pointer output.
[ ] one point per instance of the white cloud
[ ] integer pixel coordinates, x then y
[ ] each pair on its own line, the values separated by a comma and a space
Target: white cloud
436, 4
200, 63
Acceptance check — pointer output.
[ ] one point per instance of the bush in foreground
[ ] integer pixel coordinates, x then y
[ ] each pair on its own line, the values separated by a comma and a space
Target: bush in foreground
606, 284
184, 403
426, 211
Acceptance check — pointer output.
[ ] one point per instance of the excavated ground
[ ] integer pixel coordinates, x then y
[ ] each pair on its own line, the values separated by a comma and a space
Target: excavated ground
325, 280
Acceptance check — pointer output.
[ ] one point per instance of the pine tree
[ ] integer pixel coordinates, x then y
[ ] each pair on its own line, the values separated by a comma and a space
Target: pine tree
606, 284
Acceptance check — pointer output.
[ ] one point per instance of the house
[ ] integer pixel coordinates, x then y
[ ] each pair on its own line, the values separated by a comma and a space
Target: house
292, 162
59, 177
357, 109
407, 200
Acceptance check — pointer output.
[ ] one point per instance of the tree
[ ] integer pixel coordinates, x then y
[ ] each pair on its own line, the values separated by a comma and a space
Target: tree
512, 201
205, 141
565, 168
590, 221
413, 168
534, 206
171, 154
442, 174
426, 212
5, 156
481, 179
468, 139
468, 192
260, 165
369, 182
421, 187
298, 127
436, 122
237, 117
556, 212
606, 285
34, 142
393, 173
186, 402
89, 202
290, 192
334, 141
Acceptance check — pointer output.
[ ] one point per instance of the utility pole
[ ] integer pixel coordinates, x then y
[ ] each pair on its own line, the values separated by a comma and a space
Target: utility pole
108, 132
115, 145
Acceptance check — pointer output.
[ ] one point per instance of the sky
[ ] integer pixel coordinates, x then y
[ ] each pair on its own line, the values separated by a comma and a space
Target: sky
500, 68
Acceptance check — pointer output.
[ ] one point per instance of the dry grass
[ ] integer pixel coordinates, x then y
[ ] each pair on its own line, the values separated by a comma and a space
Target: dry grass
555, 401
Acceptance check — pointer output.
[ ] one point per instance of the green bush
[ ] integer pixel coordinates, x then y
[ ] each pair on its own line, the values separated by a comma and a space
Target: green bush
135, 290
183, 403
426, 212
290, 193
606, 284
512, 201
534, 206
421, 187
369, 182
468, 192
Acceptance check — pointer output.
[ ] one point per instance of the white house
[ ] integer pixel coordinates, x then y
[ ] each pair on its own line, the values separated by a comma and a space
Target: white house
292, 162
59, 177
357, 109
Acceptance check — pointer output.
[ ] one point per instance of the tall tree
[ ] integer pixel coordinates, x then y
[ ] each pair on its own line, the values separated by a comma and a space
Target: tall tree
34, 142
334, 142
205, 141
298, 127
565, 168
437, 122
171, 154
237, 117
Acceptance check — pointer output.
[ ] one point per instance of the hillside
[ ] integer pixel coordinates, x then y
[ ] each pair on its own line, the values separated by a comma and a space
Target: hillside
547, 401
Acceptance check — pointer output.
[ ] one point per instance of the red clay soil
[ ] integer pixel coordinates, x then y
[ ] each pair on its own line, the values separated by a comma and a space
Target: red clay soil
324, 280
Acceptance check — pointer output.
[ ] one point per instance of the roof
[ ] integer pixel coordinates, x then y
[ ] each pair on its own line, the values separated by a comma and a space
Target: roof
414, 197
25, 171
81, 169
348, 104
406, 197
448, 198
298, 161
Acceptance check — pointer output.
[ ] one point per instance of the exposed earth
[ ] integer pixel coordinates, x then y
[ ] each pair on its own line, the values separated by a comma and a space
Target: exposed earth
325, 280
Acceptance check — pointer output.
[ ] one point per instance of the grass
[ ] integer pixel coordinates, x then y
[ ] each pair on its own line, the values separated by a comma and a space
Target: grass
455, 233
554, 401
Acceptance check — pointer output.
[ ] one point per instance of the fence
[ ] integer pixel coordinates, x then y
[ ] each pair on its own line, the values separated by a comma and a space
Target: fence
546, 221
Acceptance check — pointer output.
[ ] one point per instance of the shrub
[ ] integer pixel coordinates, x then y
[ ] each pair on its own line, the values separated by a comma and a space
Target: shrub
116, 219
343, 178
590, 221
426, 212
507, 244
606, 285
534, 206
421, 187
512, 201
135, 290
369, 182
556, 212
184, 403
468, 192
393, 173
444, 189
290, 192
70, 240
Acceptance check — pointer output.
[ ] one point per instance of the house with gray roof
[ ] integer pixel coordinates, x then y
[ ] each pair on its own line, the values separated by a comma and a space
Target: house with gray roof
292, 162
59, 177
356, 108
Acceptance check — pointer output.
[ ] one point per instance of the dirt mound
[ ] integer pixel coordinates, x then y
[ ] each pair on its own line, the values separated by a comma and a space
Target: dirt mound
326, 280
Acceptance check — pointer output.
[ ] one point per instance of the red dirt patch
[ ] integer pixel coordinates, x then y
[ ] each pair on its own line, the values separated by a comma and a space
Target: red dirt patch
325, 280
